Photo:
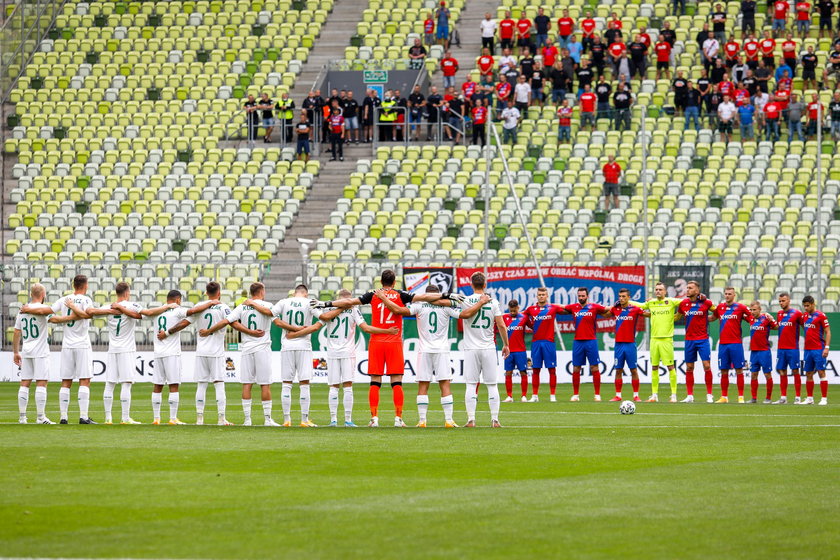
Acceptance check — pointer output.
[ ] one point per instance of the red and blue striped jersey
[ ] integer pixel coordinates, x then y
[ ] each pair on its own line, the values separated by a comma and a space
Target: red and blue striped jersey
731, 315
788, 320
541, 320
626, 321
586, 319
814, 325
696, 318
516, 331
760, 332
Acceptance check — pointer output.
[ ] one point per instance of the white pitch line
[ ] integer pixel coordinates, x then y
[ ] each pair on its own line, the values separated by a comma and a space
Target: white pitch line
676, 414
762, 426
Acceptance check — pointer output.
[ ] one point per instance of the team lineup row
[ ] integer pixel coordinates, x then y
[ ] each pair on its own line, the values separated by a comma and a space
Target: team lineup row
299, 317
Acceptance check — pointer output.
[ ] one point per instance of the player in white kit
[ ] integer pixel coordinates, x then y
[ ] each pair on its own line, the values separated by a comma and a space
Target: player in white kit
481, 359
76, 357
433, 357
167, 364
209, 352
341, 353
255, 367
33, 356
122, 350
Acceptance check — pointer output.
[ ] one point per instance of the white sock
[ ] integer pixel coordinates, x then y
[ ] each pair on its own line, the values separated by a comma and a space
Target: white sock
304, 402
266, 409
422, 407
495, 403
174, 401
84, 401
348, 404
200, 394
448, 405
125, 401
286, 401
40, 401
221, 398
246, 408
157, 398
108, 399
471, 400
333, 403
23, 399
64, 401
635, 394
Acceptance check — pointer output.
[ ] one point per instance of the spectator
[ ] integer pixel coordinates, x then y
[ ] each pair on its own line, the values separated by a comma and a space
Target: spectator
507, 29
772, 112
718, 72
336, 134
612, 176
622, 101
809, 68
815, 116
680, 87
719, 23
506, 61
780, 14
783, 98
558, 82
833, 67
369, 105
803, 18
504, 91
469, 89
789, 55
663, 58
762, 76
416, 103
795, 109
575, 49
455, 116
538, 78
760, 101
751, 50
522, 95
767, 46
749, 82
564, 128
701, 37
266, 105
565, 29
523, 33
542, 25
485, 66
433, 104
584, 76
310, 104
252, 118
622, 67
745, 119
569, 66
692, 107
603, 90
417, 54
304, 129
526, 64
616, 50
613, 33
711, 47
286, 112
679, 8
598, 53
549, 53
784, 82
588, 101
726, 87
512, 76
742, 96
747, 17
429, 30
731, 49
834, 110
726, 116
488, 31
479, 118
644, 36
587, 27
739, 71
387, 117
442, 14
510, 117
712, 104
350, 112
449, 66
704, 86
638, 58
826, 9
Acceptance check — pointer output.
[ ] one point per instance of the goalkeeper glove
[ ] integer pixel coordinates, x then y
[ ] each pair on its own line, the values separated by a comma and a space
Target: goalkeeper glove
315, 304
457, 298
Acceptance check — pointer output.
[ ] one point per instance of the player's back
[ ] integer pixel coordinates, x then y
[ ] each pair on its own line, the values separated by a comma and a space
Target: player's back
34, 333
382, 317
171, 345
433, 326
341, 333
213, 345
297, 312
479, 332
121, 329
254, 320
76, 334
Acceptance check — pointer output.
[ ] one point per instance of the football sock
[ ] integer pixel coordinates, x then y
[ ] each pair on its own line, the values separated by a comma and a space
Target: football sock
493, 398
246, 408
221, 398
689, 382
769, 386
332, 401
783, 384
754, 386
125, 400
523, 383
23, 400
304, 402
373, 398
739, 380
672, 378
64, 401
797, 384
823, 389
157, 398
348, 404
447, 403
809, 387
108, 399
509, 385
84, 401
596, 382
266, 409
200, 396
286, 401
422, 407
724, 385
710, 381
576, 382
654, 380
471, 400
40, 401
635, 383
174, 401
399, 398
552, 380
535, 381
619, 382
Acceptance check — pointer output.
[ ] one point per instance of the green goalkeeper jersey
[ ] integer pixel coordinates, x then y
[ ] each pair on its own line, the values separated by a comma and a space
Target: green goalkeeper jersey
661, 316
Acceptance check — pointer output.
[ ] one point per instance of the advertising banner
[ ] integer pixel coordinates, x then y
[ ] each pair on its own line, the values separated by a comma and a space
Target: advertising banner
676, 276
416, 280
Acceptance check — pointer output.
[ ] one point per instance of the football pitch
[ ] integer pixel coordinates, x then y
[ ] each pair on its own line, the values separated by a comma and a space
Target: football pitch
563, 479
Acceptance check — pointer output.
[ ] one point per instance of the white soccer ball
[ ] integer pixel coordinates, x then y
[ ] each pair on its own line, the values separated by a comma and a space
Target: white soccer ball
627, 407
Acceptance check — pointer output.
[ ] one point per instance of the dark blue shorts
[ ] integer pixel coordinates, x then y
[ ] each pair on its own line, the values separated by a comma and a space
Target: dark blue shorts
625, 354
761, 360
543, 354
517, 361
787, 359
814, 360
731, 356
694, 348
583, 350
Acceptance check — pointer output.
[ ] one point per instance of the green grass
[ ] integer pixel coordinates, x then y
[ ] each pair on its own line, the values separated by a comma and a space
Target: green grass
560, 480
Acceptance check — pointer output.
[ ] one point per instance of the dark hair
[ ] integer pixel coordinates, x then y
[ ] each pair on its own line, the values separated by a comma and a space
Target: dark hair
301, 287
430, 289
388, 278
121, 288
585, 290
784, 294
79, 281
624, 291
478, 280
212, 288
808, 299
256, 287
173, 294
513, 303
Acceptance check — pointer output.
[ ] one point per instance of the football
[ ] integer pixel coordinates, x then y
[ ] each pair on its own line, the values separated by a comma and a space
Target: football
627, 407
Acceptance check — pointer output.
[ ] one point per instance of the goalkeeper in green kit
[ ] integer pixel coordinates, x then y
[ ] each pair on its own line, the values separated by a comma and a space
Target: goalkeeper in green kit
661, 312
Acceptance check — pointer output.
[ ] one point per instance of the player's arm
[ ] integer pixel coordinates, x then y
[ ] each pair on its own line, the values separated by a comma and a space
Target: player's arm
475, 308
376, 330
98, 311
40, 310
155, 311
261, 309
328, 316
237, 326
202, 307
342, 304
16, 347
182, 324
57, 320
306, 330
215, 328
286, 326
502, 328
393, 307
126, 311
827, 339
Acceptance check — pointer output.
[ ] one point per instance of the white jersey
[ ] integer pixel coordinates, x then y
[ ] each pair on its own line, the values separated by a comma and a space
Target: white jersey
34, 343
296, 312
341, 333
171, 345
433, 326
121, 330
76, 334
479, 333
253, 319
213, 345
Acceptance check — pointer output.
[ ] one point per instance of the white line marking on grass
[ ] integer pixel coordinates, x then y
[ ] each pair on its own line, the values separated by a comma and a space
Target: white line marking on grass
677, 414
761, 426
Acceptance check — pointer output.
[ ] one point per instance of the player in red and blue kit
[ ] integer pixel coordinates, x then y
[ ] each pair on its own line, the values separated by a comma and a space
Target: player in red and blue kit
787, 351
626, 322
817, 342
585, 345
516, 323
731, 343
760, 359
541, 318
695, 309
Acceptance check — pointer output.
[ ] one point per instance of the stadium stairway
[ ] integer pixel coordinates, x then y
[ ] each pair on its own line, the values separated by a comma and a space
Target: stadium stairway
470, 49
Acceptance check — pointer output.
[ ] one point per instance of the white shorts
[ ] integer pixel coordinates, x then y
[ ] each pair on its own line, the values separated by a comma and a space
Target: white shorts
209, 369
481, 366
167, 371
437, 365
295, 363
76, 363
340, 370
35, 368
256, 368
120, 368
